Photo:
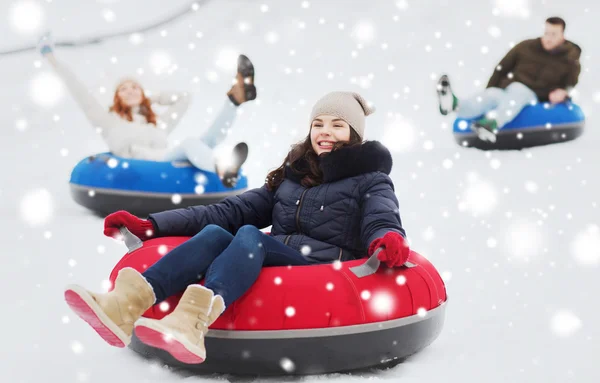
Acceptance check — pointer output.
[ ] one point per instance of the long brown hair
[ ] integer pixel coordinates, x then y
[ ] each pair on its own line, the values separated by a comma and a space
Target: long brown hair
124, 111
312, 174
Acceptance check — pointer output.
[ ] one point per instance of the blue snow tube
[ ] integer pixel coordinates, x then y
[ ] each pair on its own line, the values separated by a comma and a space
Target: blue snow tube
106, 183
539, 124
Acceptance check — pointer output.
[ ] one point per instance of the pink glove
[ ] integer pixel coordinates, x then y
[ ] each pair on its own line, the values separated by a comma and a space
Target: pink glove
395, 249
141, 228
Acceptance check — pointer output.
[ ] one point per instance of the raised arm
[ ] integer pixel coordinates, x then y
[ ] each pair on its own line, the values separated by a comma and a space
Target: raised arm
178, 103
99, 116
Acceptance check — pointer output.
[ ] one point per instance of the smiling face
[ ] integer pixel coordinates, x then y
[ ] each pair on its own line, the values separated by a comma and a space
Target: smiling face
326, 130
553, 36
130, 93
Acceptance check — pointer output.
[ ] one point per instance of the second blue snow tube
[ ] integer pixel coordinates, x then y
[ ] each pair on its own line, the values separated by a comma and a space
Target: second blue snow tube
539, 124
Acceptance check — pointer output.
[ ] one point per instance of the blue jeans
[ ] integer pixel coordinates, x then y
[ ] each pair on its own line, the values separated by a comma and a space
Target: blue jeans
230, 264
502, 105
200, 150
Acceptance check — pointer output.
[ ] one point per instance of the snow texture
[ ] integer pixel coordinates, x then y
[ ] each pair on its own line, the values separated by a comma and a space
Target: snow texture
514, 234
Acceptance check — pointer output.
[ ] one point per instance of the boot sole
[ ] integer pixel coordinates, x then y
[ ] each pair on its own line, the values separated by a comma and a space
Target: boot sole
443, 89
84, 305
151, 333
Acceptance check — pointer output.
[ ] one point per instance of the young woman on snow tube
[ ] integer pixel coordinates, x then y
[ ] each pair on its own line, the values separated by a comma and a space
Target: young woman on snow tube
131, 129
332, 196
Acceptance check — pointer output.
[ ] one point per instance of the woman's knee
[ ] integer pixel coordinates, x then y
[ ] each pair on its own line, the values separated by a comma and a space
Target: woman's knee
214, 233
248, 231
249, 238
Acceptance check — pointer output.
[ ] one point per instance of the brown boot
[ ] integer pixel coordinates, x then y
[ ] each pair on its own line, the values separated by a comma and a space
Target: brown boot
244, 89
230, 175
181, 333
113, 314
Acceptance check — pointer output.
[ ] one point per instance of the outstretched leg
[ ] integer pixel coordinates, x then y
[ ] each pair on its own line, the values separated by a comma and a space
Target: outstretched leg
112, 315
232, 273
516, 96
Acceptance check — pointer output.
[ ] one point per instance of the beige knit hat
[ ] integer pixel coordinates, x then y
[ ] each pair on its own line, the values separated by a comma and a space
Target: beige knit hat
349, 106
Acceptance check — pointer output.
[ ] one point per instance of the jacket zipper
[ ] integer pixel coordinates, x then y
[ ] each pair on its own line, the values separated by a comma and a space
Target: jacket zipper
298, 210
341, 252
287, 239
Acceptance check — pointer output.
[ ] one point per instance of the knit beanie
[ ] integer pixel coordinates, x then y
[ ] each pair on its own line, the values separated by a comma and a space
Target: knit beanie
349, 106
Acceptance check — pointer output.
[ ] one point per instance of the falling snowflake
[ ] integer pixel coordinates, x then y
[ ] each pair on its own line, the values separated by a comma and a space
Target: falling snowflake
531, 187
72, 262
382, 303
21, 124
176, 199
446, 276
37, 207
76, 347
365, 294
26, 16
364, 32
272, 37
512, 8
422, 312
136, 38
428, 234
106, 285
65, 319
112, 163
480, 197
491, 242
160, 61
399, 134
108, 15
46, 89
290, 311
337, 265
494, 31
447, 163
305, 250
164, 306
495, 163
564, 323
402, 4
227, 59
585, 248
287, 365
524, 240
329, 286
277, 280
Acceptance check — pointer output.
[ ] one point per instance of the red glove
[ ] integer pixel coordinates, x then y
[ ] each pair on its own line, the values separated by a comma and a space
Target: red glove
141, 228
395, 249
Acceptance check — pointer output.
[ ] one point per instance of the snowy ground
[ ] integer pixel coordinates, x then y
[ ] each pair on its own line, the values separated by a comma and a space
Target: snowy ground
515, 234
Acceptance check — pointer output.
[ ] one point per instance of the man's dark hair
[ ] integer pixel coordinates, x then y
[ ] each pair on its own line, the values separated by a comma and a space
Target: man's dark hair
557, 21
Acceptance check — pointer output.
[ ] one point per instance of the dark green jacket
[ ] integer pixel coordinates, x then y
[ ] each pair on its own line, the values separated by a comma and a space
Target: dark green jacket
540, 70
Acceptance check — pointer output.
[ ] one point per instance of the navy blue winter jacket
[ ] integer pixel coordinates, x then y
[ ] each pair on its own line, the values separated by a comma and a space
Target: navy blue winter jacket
338, 219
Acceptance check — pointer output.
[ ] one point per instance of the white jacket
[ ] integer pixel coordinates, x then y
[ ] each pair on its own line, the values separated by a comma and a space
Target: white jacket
129, 139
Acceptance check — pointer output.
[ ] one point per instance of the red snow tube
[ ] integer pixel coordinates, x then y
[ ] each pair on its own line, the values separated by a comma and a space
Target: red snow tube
312, 319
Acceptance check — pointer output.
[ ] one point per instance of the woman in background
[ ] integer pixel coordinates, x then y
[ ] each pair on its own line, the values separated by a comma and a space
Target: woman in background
131, 129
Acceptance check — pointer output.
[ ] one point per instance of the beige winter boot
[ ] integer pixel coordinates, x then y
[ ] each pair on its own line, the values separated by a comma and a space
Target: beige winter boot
113, 314
181, 333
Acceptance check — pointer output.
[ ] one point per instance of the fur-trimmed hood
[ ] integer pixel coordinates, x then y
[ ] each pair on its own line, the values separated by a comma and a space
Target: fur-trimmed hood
349, 161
